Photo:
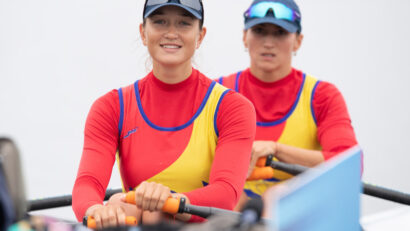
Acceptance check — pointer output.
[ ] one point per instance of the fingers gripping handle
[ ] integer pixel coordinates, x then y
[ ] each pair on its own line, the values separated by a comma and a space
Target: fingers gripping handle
171, 206
90, 222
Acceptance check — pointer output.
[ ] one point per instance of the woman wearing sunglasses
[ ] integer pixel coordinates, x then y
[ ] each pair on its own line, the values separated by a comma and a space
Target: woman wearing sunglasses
300, 120
175, 130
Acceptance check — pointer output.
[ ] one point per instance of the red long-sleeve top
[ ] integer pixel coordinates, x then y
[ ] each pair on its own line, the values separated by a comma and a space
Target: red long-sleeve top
169, 105
274, 100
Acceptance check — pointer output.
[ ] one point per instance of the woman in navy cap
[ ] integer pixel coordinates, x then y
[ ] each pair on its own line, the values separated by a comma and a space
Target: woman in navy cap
176, 131
300, 120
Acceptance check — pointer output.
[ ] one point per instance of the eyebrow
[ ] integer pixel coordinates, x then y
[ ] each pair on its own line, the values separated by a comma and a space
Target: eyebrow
186, 14
157, 12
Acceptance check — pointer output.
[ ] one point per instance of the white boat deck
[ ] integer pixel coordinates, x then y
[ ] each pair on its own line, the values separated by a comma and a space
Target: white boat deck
393, 219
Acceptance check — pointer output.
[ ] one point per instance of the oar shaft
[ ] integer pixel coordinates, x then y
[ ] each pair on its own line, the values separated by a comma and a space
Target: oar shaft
48, 203
292, 169
60, 201
206, 212
387, 194
368, 189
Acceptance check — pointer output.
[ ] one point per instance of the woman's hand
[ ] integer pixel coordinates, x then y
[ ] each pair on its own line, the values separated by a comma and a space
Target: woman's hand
151, 196
260, 149
106, 215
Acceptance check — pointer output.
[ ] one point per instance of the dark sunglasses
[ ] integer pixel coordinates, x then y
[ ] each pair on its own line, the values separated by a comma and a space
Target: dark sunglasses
194, 4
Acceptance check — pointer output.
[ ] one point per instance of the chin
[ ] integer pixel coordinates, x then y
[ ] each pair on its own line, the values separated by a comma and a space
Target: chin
268, 68
171, 63
168, 59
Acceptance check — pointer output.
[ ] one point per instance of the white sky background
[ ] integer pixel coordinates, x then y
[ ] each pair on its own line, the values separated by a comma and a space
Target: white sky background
57, 57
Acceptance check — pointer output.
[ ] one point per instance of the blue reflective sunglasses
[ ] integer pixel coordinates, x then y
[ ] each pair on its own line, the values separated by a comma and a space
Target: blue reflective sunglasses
280, 11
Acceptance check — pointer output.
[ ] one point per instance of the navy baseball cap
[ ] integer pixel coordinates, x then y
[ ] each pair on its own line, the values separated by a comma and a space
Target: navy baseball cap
283, 13
194, 7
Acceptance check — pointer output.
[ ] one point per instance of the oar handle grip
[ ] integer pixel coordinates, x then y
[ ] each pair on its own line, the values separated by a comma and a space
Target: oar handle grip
171, 206
90, 222
264, 161
262, 173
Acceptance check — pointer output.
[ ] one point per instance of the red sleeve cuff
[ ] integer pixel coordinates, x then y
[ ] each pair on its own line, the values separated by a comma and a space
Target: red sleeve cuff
196, 219
328, 155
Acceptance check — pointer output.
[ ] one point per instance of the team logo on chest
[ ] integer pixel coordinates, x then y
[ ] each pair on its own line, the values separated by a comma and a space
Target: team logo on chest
130, 132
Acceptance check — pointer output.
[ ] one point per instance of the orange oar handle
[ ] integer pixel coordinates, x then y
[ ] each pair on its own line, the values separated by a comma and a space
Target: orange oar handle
261, 162
264, 161
171, 205
90, 222
261, 173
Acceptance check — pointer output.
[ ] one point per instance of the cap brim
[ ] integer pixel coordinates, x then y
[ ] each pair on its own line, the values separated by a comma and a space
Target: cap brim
190, 10
282, 23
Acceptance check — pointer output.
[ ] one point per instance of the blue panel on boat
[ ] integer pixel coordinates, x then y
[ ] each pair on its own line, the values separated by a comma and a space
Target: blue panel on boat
323, 198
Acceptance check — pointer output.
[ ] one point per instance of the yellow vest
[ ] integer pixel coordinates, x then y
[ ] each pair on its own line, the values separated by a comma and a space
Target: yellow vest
191, 169
300, 131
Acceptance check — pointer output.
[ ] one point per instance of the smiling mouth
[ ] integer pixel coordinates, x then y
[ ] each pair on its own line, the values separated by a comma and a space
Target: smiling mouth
268, 55
169, 46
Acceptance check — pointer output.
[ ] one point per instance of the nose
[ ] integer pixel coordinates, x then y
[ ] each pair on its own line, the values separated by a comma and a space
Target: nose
171, 33
269, 42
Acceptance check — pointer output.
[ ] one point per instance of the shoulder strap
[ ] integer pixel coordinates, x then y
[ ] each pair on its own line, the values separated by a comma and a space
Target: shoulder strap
238, 75
121, 119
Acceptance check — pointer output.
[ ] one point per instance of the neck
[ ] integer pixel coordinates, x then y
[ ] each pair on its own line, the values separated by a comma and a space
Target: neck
270, 76
172, 74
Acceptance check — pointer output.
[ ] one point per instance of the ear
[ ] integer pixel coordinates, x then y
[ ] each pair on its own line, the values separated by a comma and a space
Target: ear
298, 42
142, 34
244, 37
201, 37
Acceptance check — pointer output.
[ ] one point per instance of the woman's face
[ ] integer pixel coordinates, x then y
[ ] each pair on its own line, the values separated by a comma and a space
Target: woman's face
271, 47
171, 35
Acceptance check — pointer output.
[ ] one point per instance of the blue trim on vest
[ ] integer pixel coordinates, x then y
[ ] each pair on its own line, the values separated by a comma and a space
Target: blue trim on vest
217, 109
311, 102
221, 80
276, 122
251, 194
237, 81
172, 129
121, 120
272, 180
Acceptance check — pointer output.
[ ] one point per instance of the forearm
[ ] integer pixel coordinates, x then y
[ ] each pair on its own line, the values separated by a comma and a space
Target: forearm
86, 194
294, 155
335, 132
100, 144
218, 195
227, 176
91, 182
